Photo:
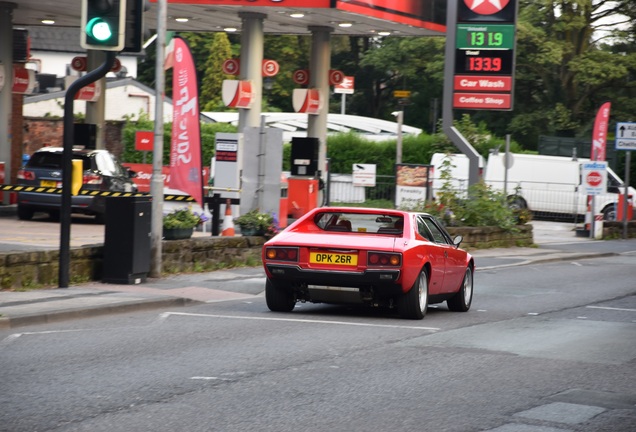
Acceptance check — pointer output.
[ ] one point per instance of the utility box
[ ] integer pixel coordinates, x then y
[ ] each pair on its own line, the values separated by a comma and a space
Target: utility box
302, 196
304, 156
127, 240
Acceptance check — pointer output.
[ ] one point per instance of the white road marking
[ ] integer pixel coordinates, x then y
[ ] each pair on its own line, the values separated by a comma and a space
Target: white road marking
208, 378
611, 308
14, 336
165, 315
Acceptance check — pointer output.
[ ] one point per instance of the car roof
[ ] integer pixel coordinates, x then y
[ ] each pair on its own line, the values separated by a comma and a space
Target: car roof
395, 212
76, 150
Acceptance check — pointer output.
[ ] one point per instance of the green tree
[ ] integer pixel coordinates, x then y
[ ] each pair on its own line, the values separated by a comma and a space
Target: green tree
219, 49
564, 70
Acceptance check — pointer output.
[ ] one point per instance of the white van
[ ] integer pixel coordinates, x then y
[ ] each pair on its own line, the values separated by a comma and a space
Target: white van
550, 184
459, 168
546, 185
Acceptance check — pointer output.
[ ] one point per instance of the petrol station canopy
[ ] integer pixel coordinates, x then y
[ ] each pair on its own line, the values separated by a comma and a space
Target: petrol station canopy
346, 17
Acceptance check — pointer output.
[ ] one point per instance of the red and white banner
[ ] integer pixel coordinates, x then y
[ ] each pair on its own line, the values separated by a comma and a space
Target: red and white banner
270, 68
599, 135
237, 94
90, 93
23, 80
306, 101
185, 150
231, 66
143, 176
301, 76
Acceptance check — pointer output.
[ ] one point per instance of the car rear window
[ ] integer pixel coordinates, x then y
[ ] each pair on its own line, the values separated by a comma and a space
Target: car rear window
45, 160
54, 160
376, 223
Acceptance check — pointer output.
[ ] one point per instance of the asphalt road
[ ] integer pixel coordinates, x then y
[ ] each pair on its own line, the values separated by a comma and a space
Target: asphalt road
545, 348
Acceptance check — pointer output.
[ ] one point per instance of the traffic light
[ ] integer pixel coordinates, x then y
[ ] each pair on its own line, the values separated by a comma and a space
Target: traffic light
103, 24
134, 25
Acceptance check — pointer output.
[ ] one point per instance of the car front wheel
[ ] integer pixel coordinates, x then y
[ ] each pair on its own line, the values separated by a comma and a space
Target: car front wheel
25, 213
279, 298
461, 301
414, 303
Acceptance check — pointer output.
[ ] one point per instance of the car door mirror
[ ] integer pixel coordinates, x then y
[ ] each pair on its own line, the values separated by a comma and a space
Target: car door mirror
458, 240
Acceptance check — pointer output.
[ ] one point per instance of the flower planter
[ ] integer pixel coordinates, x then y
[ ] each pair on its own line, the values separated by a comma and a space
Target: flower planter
177, 233
251, 232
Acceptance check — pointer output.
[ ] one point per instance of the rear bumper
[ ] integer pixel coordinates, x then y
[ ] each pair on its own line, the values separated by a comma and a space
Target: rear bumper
46, 202
383, 279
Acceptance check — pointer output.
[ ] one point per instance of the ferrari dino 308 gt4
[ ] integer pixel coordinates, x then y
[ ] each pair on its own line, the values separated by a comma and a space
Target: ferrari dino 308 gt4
379, 257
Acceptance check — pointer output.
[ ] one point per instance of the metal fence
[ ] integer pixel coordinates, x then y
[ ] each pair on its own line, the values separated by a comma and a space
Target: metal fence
342, 189
546, 200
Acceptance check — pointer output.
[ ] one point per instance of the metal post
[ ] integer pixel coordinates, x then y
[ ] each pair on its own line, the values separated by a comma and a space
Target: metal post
447, 102
156, 184
6, 102
506, 166
628, 162
67, 164
398, 151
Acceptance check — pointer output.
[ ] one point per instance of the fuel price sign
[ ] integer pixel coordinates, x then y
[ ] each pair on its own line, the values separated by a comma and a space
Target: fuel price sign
483, 62
484, 54
489, 36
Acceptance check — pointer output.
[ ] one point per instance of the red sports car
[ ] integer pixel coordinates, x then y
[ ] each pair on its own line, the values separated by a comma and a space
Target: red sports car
372, 256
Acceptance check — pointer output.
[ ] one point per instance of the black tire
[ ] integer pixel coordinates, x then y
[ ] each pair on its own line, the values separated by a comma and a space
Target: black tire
279, 298
461, 301
517, 203
54, 215
100, 218
414, 303
609, 213
25, 213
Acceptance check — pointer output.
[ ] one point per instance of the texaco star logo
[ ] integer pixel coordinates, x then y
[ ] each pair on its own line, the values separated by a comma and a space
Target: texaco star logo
486, 7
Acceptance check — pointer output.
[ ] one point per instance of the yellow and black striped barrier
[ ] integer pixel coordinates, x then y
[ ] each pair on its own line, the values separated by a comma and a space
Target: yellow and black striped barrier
49, 190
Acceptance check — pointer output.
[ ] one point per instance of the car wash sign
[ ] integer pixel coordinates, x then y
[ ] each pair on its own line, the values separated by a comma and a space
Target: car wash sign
594, 177
484, 54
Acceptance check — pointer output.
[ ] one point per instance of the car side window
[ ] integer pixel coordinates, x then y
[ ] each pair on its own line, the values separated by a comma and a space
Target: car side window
438, 236
423, 230
107, 164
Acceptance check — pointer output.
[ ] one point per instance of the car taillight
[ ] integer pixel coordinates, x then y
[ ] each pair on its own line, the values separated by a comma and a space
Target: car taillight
376, 259
26, 175
92, 179
282, 254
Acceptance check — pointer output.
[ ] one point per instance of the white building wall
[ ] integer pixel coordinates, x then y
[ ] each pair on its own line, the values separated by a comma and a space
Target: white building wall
58, 63
121, 101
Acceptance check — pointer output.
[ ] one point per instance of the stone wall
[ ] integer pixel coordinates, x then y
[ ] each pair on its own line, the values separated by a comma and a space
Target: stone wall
28, 270
615, 230
493, 237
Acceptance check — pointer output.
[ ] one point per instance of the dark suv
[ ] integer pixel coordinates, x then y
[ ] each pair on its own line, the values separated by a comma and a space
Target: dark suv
102, 171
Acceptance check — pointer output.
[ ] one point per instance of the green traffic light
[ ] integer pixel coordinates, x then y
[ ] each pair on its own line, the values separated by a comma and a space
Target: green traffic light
99, 29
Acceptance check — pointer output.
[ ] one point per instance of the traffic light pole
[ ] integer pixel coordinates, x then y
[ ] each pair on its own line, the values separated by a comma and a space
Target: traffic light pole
67, 162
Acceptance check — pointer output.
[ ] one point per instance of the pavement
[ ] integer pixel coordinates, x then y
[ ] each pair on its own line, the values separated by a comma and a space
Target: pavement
554, 242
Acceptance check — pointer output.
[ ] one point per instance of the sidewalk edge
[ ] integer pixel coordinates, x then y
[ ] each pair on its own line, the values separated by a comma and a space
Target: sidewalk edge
93, 311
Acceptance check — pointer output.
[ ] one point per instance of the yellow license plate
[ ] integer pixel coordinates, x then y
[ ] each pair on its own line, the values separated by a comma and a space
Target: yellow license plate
48, 183
333, 258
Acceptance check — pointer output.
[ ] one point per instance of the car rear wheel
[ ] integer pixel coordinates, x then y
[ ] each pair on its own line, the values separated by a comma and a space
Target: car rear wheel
279, 298
25, 213
464, 297
414, 303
